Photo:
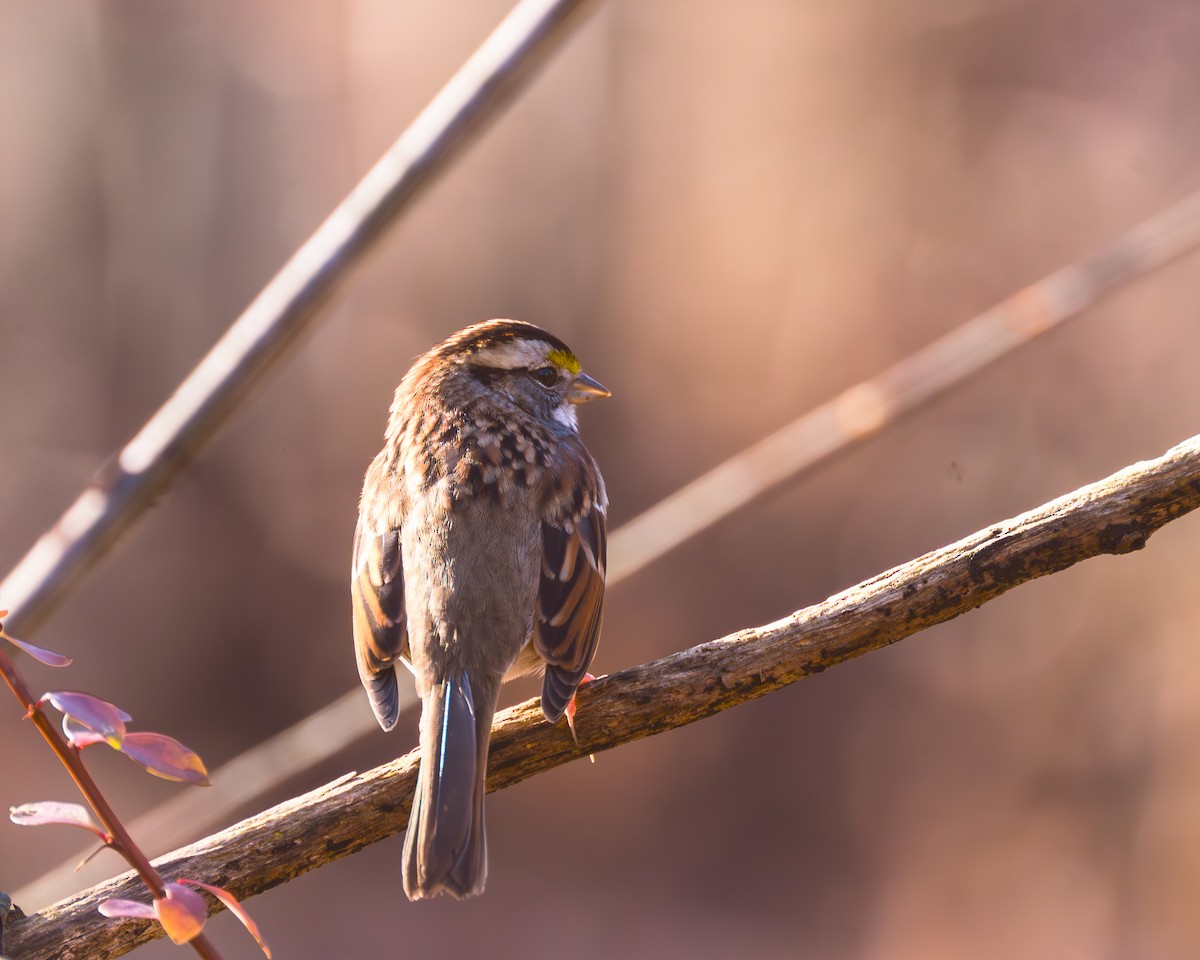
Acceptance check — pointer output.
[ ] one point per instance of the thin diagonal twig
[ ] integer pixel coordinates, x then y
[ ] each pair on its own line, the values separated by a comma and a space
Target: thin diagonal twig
146, 466
1114, 516
864, 409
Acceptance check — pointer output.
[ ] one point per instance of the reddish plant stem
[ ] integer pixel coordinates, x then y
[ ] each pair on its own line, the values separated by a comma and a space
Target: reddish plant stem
68, 755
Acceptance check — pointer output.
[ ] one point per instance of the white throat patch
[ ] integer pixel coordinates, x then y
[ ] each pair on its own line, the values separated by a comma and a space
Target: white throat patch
565, 414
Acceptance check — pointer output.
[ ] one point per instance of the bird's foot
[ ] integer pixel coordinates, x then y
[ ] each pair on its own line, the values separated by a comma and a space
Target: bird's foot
587, 678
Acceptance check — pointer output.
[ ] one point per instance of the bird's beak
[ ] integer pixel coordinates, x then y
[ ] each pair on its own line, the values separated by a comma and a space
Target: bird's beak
585, 389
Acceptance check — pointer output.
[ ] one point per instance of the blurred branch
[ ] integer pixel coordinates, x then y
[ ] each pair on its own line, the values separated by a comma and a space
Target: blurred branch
807, 441
864, 409
172, 438
1115, 516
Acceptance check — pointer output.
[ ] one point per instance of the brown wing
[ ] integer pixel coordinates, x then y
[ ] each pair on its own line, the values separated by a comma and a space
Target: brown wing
377, 597
570, 605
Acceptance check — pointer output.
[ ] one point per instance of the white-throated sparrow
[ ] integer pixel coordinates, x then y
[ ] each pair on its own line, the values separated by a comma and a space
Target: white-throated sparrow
479, 555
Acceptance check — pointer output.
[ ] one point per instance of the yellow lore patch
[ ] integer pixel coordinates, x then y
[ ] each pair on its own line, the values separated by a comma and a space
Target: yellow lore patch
565, 360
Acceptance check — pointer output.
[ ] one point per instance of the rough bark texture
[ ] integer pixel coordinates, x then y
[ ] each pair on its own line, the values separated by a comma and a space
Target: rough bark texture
1116, 515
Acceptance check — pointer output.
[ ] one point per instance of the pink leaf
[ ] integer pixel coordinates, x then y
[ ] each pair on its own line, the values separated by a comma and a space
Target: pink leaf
51, 658
232, 905
165, 757
78, 734
126, 908
55, 812
103, 717
182, 913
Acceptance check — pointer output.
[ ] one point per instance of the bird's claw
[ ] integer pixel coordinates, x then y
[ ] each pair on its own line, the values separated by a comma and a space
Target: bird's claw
587, 678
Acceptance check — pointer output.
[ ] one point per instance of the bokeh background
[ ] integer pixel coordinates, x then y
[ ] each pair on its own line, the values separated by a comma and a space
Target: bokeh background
731, 212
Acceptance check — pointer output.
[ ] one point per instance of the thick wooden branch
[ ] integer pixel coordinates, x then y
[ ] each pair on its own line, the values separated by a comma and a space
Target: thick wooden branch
1116, 515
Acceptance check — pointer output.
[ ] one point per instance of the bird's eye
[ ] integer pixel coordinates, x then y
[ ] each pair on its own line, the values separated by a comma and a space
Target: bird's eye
546, 376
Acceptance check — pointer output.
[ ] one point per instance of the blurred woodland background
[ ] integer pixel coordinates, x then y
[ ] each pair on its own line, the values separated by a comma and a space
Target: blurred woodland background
731, 212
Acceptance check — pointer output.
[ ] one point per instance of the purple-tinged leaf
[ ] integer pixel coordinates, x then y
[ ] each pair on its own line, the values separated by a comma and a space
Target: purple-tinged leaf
232, 905
103, 717
165, 757
182, 913
78, 734
55, 812
51, 658
126, 908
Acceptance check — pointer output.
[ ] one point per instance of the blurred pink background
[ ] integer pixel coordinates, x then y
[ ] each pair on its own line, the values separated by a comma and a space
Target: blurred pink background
731, 213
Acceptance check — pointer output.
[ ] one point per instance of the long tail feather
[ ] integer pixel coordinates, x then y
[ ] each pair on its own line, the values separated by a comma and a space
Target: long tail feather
444, 849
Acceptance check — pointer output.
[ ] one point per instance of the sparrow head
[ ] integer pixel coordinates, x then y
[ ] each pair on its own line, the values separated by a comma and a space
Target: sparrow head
522, 364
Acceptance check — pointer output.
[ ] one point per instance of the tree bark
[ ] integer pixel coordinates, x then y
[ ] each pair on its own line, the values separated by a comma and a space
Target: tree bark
1115, 516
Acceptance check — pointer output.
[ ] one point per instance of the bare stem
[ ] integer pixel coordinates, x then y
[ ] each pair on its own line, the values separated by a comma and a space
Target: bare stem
68, 755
